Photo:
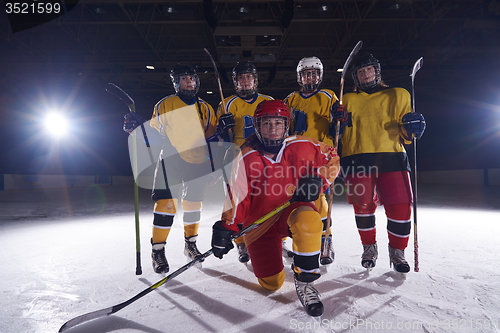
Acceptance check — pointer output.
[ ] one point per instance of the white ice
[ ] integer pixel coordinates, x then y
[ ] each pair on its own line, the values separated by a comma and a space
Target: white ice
69, 252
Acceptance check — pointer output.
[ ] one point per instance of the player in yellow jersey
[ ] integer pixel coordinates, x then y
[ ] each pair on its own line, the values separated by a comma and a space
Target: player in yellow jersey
377, 124
311, 109
238, 116
241, 106
180, 166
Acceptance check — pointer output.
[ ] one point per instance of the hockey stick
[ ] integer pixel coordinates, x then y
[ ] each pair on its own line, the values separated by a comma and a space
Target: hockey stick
122, 95
224, 111
418, 64
348, 61
113, 309
217, 76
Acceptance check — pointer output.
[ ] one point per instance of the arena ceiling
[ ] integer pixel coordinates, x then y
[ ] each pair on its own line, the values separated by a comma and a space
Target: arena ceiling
114, 41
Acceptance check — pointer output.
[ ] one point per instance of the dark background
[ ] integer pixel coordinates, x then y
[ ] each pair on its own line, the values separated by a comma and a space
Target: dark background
66, 63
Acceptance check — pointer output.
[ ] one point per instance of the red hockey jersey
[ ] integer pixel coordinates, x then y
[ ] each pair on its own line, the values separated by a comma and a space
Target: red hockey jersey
260, 184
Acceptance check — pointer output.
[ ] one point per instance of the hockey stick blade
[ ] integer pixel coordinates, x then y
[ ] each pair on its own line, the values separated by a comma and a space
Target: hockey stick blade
213, 63
113, 309
348, 61
418, 64
217, 76
351, 56
118, 92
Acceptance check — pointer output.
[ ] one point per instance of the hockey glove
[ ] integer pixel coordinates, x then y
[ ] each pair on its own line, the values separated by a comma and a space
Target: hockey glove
226, 123
221, 240
339, 112
414, 123
308, 189
131, 122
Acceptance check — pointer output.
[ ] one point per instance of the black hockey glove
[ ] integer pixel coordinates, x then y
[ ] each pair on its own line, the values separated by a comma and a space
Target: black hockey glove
221, 240
226, 123
131, 122
339, 112
308, 189
414, 123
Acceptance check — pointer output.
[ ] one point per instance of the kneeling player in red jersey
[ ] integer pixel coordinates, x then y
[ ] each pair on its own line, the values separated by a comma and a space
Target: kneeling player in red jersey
271, 170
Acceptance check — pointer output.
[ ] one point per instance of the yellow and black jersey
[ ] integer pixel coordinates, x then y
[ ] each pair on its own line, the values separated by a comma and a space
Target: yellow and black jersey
311, 116
374, 130
179, 126
243, 115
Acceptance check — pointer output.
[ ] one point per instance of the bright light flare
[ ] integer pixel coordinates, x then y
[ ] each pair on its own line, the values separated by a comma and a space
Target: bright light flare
56, 124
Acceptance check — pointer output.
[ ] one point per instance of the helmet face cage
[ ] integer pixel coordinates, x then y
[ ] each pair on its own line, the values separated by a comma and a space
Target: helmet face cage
176, 75
309, 64
265, 121
244, 68
272, 113
366, 62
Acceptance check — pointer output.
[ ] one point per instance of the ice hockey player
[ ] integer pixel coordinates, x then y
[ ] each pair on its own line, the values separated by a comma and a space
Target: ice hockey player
239, 115
180, 167
275, 169
311, 109
378, 121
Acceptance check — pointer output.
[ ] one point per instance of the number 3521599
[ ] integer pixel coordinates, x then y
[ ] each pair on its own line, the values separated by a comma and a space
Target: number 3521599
32, 7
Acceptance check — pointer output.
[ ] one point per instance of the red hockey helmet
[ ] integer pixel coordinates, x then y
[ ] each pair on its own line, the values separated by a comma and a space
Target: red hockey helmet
272, 122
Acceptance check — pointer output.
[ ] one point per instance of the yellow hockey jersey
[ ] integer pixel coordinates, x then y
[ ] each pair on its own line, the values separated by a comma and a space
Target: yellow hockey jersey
181, 131
317, 109
243, 115
374, 130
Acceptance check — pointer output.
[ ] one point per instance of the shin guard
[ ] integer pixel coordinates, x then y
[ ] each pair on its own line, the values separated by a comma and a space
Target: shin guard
306, 228
398, 224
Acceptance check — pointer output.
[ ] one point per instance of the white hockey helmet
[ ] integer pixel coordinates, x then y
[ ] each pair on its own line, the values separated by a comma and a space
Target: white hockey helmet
308, 63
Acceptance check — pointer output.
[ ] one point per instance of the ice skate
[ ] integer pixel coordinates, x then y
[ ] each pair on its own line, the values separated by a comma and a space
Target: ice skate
242, 252
369, 256
287, 253
397, 260
327, 254
308, 296
160, 263
191, 250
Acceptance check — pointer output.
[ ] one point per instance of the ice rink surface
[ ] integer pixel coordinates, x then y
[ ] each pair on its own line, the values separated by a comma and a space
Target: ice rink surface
69, 252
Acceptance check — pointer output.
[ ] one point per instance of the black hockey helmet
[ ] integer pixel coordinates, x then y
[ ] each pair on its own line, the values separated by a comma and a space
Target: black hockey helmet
176, 74
244, 67
362, 61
